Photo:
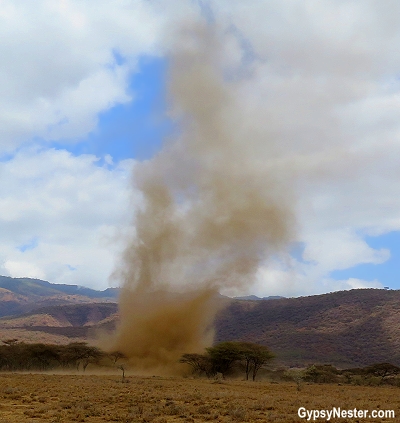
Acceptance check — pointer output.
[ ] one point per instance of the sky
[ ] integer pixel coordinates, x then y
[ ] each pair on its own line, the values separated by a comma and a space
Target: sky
84, 97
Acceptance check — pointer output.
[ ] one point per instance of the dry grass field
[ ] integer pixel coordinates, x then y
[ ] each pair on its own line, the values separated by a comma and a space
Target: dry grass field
37, 398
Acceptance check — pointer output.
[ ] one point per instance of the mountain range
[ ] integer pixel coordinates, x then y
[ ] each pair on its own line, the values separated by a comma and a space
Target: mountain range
346, 328
21, 295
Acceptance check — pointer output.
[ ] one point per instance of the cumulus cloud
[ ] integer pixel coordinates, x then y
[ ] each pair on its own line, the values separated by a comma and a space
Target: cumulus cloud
322, 97
62, 217
61, 63
318, 88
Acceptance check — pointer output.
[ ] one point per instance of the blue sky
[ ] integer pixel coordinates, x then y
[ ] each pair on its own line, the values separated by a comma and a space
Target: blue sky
315, 94
134, 130
388, 272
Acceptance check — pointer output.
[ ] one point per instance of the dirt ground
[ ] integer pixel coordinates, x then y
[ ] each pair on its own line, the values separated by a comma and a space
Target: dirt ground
89, 398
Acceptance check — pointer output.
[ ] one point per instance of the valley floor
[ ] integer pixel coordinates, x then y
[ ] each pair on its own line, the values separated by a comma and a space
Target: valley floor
55, 398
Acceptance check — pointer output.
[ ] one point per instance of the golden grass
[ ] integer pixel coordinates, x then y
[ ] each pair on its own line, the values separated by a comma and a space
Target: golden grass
100, 398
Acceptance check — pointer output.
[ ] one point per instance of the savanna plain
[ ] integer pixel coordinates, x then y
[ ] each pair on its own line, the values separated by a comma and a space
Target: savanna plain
37, 398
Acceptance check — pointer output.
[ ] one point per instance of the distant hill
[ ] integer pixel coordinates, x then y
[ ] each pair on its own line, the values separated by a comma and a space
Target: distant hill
347, 328
38, 288
22, 295
67, 321
255, 298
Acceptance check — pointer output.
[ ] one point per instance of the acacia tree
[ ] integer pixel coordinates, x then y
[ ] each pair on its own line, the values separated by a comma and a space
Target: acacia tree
254, 356
77, 353
10, 354
223, 356
116, 355
200, 363
383, 370
226, 354
92, 355
40, 356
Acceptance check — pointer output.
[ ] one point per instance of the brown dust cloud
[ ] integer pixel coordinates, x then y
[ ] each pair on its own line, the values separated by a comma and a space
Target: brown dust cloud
211, 212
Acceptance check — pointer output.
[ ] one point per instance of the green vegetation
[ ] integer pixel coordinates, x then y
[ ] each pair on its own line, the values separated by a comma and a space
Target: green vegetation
376, 374
226, 357
233, 358
341, 328
18, 356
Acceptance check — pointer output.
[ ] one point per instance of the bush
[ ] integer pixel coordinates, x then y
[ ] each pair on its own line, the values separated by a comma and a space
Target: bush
322, 374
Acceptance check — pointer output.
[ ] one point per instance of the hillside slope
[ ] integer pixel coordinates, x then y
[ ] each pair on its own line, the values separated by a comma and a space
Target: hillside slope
22, 295
40, 288
347, 328
61, 324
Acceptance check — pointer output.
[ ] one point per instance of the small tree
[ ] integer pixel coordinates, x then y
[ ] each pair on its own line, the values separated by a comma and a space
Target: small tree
254, 357
77, 353
14, 354
200, 363
122, 368
116, 355
40, 356
223, 356
383, 370
92, 355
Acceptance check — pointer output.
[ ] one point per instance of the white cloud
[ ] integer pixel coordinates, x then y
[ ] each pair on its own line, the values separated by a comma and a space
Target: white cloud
59, 67
62, 64
68, 212
321, 106
17, 269
319, 99
359, 284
